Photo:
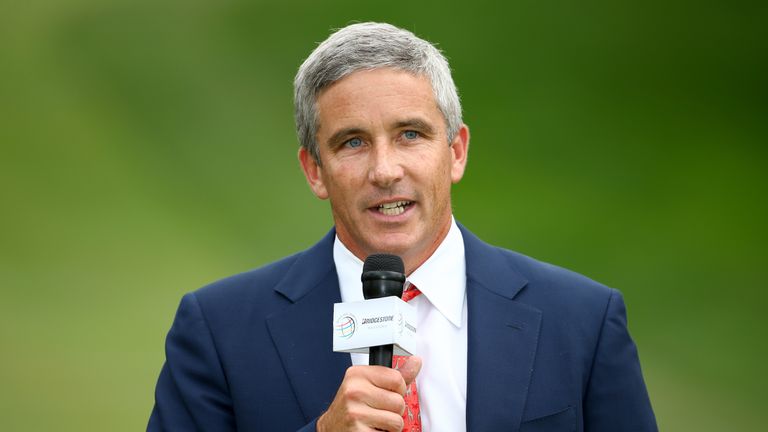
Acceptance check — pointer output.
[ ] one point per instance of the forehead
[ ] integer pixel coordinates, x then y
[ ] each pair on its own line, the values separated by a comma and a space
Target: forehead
377, 97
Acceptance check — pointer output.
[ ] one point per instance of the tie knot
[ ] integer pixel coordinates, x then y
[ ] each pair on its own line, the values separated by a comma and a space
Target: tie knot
410, 292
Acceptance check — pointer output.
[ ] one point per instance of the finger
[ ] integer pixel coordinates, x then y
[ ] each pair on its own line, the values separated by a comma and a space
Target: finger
378, 387
362, 405
386, 400
385, 378
410, 369
381, 420
359, 417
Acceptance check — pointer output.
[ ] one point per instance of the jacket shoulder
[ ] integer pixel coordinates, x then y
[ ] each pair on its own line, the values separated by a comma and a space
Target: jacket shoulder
244, 287
553, 279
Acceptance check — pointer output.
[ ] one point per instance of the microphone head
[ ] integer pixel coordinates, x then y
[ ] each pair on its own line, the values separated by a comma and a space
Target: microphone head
383, 276
384, 262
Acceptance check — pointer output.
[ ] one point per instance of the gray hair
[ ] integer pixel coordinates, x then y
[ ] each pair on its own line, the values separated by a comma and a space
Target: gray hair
367, 46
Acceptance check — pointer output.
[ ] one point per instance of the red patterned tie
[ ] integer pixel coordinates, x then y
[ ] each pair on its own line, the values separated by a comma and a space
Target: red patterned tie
411, 416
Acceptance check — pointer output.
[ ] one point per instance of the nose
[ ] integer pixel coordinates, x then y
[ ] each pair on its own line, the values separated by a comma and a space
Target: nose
385, 165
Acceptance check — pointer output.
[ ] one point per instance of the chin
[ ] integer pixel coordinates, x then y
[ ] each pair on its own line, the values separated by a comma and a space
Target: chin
395, 248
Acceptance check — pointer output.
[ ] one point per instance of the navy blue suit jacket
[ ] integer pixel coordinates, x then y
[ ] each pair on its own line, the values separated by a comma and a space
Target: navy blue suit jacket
548, 350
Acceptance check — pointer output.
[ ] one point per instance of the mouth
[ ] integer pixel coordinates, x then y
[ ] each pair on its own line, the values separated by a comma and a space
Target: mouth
393, 208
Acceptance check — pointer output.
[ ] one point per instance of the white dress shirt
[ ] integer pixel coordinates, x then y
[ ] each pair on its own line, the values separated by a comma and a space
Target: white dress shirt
442, 328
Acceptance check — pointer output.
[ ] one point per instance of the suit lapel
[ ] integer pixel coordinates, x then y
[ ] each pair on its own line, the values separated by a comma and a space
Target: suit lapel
302, 332
502, 339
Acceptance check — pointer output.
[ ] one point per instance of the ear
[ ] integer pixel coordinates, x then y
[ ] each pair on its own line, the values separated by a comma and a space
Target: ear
459, 149
313, 173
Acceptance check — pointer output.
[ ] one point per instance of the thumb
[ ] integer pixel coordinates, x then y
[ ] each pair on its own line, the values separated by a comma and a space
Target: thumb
410, 369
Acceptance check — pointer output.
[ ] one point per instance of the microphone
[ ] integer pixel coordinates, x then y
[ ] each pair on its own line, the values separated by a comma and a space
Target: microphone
382, 324
383, 276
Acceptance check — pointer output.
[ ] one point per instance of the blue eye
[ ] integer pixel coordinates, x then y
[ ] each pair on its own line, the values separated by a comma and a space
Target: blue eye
355, 142
409, 134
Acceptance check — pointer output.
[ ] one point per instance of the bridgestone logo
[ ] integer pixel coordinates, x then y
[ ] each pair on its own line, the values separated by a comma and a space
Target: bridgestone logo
377, 320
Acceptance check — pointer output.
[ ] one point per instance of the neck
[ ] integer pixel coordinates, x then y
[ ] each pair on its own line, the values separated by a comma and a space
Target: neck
413, 258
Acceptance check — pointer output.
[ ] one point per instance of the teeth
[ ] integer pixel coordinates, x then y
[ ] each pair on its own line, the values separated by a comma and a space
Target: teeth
394, 204
393, 208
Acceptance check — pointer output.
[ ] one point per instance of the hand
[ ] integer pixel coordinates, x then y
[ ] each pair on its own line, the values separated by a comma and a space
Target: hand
370, 398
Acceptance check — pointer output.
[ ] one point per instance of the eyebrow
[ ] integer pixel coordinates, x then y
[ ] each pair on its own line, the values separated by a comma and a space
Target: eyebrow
416, 123
343, 133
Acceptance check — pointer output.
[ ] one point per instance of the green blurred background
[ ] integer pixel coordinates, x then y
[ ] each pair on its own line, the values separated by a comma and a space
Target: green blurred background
147, 148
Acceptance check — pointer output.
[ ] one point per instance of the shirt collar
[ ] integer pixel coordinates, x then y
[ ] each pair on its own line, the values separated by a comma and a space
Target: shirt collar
442, 278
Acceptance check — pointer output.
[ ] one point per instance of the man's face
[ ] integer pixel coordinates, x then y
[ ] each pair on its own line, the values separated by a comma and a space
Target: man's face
386, 164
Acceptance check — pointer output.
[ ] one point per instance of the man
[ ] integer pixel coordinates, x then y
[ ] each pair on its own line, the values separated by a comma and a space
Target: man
507, 342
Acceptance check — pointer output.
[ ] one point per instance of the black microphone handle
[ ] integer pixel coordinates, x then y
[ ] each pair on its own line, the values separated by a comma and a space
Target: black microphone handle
382, 277
380, 355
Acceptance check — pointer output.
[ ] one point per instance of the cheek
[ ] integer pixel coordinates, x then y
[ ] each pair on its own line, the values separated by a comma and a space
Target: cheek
441, 190
339, 186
